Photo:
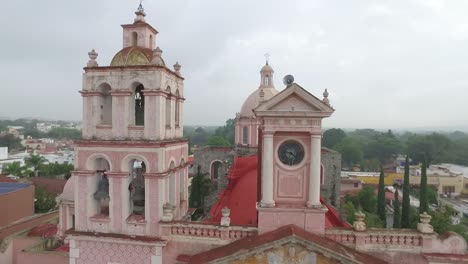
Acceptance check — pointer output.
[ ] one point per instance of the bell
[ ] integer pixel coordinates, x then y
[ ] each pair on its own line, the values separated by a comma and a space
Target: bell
103, 188
138, 199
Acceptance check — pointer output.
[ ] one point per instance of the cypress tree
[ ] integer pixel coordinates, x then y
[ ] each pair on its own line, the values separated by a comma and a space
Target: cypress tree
405, 210
381, 197
423, 203
396, 211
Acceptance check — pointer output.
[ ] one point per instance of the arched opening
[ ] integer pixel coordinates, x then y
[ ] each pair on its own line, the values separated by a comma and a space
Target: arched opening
137, 187
215, 170
172, 185
139, 105
101, 186
151, 42
245, 135
177, 107
266, 81
105, 104
134, 39
168, 107
182, 181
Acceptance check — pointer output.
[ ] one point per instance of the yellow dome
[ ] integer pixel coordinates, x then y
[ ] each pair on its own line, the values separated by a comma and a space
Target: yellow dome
132, 56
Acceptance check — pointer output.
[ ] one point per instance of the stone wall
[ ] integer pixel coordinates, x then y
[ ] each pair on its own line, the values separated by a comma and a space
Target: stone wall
330, 189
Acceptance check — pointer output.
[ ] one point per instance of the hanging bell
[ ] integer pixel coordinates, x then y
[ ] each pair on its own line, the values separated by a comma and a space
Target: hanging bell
103, 188
138, 199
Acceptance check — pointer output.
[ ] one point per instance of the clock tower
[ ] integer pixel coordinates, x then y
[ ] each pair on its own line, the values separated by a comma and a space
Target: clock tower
291, 134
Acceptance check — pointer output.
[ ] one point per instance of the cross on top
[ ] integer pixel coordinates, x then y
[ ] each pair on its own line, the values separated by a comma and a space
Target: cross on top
267, 57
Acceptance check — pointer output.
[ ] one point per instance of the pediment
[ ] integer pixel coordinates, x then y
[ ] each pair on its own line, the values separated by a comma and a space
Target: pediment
294, 99
288, 244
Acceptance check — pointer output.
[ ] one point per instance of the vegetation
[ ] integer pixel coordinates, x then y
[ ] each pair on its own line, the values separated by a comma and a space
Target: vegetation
34, 162
423, 202
44, 200
13, 168
396, 211
381, 197
365, 201
405, 211
10, 141
198, 191
50, 170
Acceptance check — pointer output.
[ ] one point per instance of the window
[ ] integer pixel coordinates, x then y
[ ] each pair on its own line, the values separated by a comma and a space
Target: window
137, 187
466, 185
134, 39
448, 189
245, 135
168, 107
151, 42
139, 106
177, 109
356, 185
216, 170
266, 81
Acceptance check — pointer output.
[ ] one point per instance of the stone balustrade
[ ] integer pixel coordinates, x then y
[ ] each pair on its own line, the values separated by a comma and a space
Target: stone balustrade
377, 238
207, 230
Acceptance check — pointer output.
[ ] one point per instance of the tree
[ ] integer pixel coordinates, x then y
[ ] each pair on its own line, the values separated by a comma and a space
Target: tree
13, 168
429, 148
349, 211
381, 196
64, 133
383, 147
217, 141
44, 201
35, 161
423, 203
332, 137
228, 131
405, 210
10, 141
396, 211
351, 151
198, 191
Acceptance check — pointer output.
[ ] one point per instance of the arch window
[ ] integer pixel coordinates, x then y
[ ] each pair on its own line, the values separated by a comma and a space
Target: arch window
216, 170
105, 105
168, 107
172, 185
177, 109
134, 39
266, 81
139, 98
137, 187
101, 193
245, 135
151, 42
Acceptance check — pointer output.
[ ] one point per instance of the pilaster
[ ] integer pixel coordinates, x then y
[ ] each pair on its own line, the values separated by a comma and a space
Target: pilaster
314, 175
267, 171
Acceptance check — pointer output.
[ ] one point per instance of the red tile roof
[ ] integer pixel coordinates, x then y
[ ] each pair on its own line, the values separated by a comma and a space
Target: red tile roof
241, 196
250, 243
27, 224
43, 230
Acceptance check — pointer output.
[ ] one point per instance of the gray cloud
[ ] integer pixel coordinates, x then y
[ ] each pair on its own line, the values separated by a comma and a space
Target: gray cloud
386, 64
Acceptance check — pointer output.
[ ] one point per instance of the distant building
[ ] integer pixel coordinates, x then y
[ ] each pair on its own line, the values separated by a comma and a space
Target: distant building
16, 202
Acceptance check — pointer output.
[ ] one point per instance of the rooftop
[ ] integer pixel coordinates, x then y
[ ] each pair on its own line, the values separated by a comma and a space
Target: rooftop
8, 187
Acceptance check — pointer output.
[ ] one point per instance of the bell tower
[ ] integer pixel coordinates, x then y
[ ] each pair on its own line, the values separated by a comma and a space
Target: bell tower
131, 161
291, 134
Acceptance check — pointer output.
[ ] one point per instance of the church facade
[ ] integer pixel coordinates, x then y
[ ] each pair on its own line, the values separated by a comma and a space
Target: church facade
126, 201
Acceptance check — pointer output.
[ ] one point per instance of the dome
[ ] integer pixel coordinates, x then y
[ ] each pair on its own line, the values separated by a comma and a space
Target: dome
132, 56
267, 68
254, 99
68, 193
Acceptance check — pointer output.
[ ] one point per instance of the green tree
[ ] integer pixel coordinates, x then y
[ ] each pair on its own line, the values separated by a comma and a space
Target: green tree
217, 141
34, 162
10, 141
405, 210
64, 133
332, 137
13, 168
431, 148
198, 191
351, 151
349, 211
227, 131
381, 196
44, 201
383, 147
396, 211
423, 203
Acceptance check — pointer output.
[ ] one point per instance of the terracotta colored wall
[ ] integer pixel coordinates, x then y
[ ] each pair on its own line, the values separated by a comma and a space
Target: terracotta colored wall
16, 205
21, 257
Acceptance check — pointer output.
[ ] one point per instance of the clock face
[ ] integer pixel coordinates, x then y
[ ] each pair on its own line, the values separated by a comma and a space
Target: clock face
291, 152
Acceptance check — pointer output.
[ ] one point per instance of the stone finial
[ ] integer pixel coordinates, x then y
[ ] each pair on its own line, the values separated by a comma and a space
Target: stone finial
157, 57
359, 224
168, 215
225, 220
177, 67
325, 97
424, 226
92, 58
140, 14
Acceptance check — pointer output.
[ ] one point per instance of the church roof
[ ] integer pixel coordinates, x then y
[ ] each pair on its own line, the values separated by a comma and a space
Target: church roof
254, 100
252, 244
240, 196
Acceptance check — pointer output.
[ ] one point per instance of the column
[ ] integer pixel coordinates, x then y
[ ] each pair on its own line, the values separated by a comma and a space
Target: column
314, 176
267, 171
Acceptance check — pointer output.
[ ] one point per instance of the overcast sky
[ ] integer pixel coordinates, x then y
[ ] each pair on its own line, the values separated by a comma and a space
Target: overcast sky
387, 64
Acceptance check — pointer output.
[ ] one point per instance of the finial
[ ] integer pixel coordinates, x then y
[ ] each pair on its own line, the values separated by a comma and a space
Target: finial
157, 57
140, 13
267, 57
92, 58
177, 67
325, 97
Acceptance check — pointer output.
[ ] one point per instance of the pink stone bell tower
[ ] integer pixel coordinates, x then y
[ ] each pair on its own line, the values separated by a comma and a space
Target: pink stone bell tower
291, 133
132, 160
